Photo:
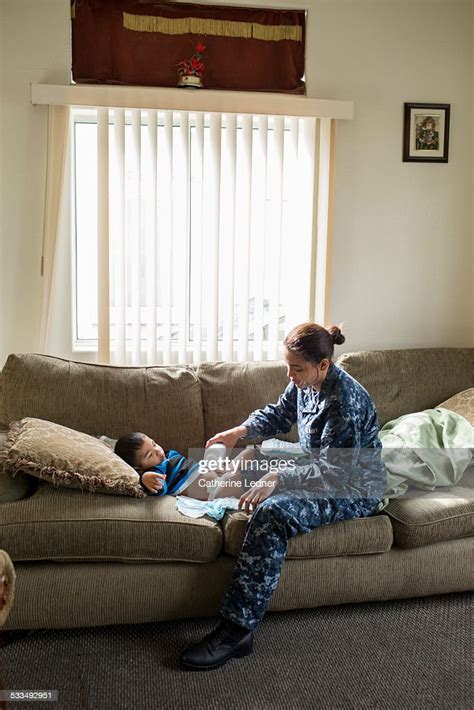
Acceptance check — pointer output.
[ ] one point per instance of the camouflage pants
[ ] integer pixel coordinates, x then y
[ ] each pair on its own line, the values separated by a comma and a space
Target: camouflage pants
263, 551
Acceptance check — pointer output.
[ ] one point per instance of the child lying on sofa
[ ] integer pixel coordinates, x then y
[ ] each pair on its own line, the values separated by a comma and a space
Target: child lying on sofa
170, 473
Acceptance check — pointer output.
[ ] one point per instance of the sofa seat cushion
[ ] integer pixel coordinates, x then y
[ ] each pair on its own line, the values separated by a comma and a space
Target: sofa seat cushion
427, 518
361, 536
66, 524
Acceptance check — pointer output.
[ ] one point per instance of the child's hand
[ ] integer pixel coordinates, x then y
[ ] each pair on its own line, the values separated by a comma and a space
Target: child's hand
153, 481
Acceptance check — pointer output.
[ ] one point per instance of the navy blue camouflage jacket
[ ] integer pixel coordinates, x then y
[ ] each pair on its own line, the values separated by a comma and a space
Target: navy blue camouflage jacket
338, 431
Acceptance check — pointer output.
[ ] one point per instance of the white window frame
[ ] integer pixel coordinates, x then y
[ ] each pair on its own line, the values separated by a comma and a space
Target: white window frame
221, 101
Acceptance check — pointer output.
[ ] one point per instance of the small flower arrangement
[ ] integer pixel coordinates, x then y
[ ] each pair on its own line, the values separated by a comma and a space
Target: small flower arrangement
193, 66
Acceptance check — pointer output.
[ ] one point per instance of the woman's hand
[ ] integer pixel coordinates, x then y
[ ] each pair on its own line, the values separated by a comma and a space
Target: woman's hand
153, 481
260, 491
229, 437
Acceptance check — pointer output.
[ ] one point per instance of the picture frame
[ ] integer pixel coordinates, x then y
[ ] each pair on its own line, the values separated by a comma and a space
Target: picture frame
426, 133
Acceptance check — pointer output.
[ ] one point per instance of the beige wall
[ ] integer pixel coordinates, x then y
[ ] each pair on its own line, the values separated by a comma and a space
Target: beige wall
2, 324
403, 233
35, 47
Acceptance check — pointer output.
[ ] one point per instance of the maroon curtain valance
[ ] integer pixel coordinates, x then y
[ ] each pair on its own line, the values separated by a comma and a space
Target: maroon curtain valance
145, 43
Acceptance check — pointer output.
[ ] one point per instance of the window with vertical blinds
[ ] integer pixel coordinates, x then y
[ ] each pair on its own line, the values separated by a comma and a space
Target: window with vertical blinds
193, 232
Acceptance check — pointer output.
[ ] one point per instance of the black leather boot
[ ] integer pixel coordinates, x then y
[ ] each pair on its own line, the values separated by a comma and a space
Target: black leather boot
225, 642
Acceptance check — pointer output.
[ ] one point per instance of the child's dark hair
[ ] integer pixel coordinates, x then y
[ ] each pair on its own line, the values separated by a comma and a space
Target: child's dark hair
127, 446
313, 341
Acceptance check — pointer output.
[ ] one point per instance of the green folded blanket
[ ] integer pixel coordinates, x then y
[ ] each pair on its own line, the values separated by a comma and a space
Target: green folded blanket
426, 450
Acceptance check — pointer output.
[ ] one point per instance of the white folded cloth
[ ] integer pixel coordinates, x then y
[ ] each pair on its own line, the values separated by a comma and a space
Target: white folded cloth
199, 508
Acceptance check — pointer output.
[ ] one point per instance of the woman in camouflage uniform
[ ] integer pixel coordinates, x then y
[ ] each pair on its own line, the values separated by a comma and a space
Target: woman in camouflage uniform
341, 477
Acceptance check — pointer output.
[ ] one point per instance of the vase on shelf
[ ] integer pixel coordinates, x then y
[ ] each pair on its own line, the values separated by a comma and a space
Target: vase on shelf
190, 81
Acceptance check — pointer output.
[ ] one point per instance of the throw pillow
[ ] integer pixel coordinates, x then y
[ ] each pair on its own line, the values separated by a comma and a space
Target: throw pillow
67, 457
461, 403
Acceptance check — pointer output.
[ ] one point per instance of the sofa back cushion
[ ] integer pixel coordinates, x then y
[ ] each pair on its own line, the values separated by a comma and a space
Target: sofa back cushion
232, 390
163, 402
404, 381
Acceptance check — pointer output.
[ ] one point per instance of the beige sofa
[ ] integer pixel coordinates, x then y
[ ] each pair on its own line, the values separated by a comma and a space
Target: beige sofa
85, 559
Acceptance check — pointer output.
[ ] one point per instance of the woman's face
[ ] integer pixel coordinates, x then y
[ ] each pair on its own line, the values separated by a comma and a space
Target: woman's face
304, 373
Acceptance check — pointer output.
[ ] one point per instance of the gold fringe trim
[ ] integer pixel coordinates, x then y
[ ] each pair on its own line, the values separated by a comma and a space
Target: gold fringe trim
73, 11
220, 28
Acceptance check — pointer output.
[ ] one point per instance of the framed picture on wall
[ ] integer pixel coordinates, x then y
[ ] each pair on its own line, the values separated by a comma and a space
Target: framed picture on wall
426, 133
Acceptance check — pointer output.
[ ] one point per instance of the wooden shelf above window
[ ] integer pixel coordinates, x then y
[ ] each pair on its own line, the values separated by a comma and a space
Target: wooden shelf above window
145, 97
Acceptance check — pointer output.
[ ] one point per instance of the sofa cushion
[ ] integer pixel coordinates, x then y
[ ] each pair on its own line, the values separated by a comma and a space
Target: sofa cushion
404, 381
231, 391
14, 487
441, 515
462, 403
163, 402
65, 524
67, 457
361, 536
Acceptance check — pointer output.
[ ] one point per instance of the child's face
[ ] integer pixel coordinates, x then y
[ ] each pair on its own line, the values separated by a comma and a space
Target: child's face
149, 454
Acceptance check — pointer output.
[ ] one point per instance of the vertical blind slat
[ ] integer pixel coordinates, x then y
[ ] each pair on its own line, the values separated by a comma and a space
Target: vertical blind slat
103, 269
167, 212
134, 236
181, 196
119, 239
307, 224
260, 235
151, 237
244, 241
277, 198
213, 273
228, 235
196, 226
292, 247
321, 205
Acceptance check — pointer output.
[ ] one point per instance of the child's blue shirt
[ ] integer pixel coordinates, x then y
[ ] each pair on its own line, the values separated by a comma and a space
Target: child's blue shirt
178, 471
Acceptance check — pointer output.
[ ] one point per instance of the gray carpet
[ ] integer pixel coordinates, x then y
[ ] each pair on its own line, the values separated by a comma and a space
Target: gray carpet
410, 654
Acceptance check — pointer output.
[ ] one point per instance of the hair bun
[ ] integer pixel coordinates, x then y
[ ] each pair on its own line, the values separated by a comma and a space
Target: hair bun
336, 335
